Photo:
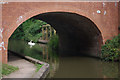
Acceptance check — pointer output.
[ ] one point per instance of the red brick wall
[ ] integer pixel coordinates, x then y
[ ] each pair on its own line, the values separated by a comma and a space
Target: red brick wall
14, 13
119, 15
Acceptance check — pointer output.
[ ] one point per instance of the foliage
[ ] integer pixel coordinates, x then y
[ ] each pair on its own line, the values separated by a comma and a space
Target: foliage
54, 42
38, 66
29, 30
25, 49
111, 49
7, 69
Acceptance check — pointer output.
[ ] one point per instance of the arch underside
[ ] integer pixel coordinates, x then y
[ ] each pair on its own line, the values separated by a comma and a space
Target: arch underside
77, 34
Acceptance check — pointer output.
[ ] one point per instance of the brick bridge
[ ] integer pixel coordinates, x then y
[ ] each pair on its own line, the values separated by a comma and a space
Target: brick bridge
82, 26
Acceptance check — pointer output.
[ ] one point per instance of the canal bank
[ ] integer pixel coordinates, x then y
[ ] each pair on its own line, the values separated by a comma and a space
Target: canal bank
67, 66
27, 68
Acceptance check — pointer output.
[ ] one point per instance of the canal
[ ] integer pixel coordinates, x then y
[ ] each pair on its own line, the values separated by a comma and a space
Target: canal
66, 66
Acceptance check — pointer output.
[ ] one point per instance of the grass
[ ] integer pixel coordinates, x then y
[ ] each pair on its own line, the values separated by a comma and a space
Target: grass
7, 69
38, 66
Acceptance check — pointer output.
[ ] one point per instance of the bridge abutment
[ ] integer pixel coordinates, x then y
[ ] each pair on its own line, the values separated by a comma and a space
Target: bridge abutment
104, 17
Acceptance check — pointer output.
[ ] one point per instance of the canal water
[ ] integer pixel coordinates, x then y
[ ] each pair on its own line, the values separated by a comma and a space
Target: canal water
67, 66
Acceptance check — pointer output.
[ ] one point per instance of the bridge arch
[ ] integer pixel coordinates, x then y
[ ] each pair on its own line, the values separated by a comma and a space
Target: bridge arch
20, 12
78, 34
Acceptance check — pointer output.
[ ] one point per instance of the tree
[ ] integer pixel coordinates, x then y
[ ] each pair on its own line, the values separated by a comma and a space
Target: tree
29, 30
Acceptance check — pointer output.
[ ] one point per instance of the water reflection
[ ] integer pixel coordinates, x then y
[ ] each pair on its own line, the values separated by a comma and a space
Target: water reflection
66, 67
110, 69
85, 67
